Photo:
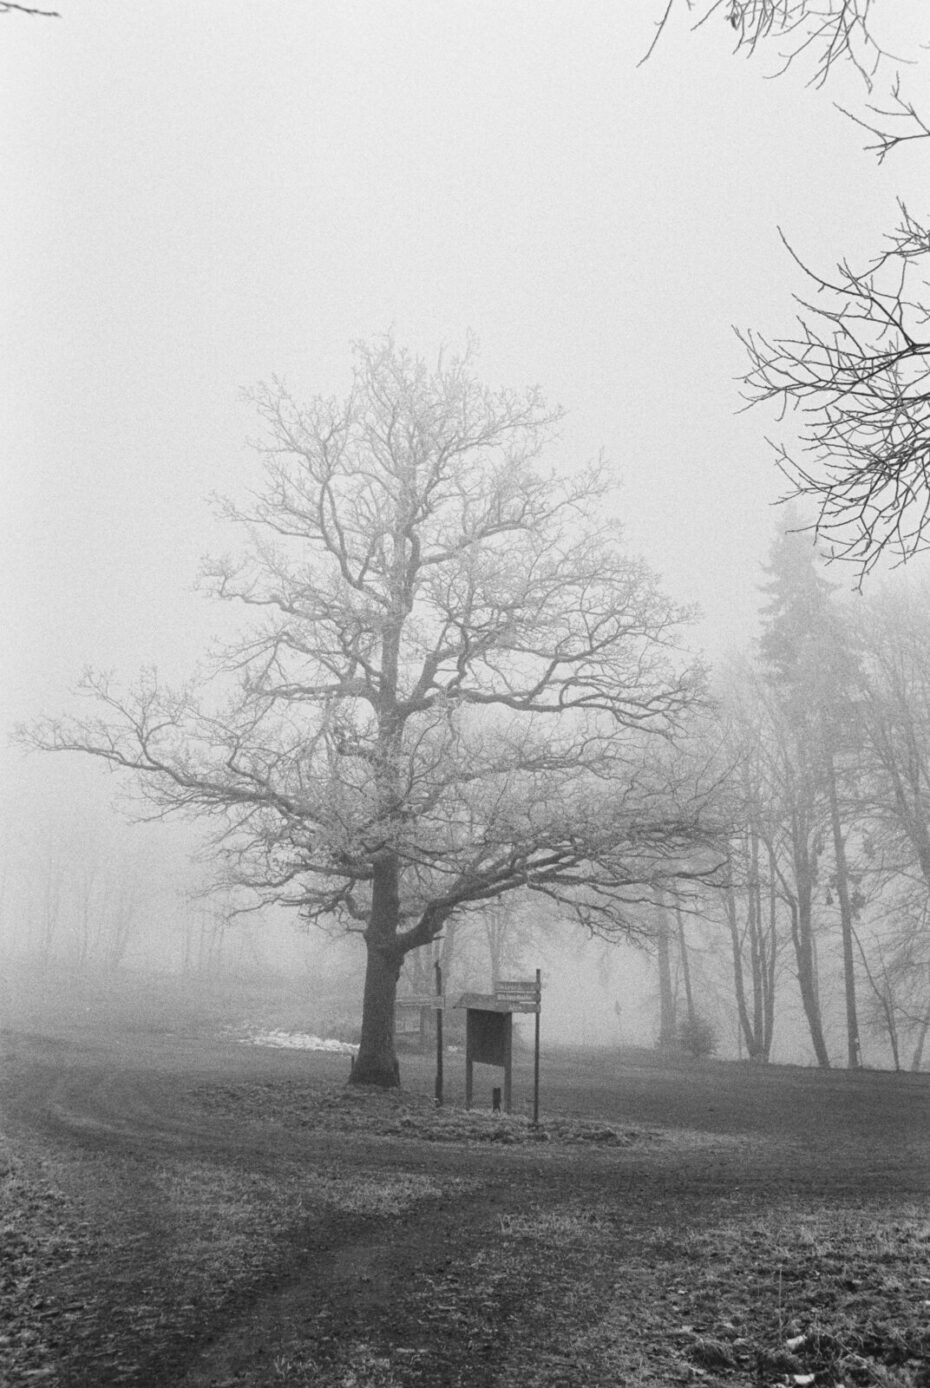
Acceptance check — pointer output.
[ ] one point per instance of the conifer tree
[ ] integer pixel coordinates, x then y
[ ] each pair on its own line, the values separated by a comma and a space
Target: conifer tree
810, 669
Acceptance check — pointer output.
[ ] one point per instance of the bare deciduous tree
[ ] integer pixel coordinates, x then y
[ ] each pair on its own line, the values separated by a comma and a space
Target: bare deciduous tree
450, 689
751, 896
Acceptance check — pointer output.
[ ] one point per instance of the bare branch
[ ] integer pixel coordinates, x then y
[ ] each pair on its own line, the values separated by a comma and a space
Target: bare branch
8, 8
857, 371
892, 126
830, 31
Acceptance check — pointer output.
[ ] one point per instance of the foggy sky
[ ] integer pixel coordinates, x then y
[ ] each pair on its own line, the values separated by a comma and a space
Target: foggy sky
198, 197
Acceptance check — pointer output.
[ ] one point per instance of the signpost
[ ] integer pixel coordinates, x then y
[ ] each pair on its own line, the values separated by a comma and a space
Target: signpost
489, 1032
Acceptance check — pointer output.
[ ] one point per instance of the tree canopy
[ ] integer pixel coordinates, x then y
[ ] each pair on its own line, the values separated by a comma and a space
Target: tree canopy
456, 683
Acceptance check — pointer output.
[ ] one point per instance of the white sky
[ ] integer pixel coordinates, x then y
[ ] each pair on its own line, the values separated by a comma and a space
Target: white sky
197, 196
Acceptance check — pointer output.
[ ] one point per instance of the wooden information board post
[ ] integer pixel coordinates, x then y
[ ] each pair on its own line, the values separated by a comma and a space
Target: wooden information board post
489, 1032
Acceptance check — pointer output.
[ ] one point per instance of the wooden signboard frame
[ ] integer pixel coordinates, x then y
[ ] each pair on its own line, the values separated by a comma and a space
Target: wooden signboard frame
489, 1032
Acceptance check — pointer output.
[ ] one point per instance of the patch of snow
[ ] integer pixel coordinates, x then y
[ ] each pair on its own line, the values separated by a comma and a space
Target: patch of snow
298, 1041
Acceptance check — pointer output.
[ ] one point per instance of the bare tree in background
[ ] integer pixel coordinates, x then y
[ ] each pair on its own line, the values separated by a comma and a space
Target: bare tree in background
751, 898
508, 929
456, 686
123, 902
666, 1038
50, 903
86, 898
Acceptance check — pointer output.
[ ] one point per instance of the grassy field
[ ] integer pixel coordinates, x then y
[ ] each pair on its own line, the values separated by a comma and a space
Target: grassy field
178, 1208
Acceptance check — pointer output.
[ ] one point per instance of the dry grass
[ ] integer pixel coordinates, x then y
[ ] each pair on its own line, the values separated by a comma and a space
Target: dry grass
329, 1107
40, 1232
840, 1294
288, 1230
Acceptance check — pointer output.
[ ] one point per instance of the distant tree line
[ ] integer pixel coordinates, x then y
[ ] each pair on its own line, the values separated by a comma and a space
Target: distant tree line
827, 898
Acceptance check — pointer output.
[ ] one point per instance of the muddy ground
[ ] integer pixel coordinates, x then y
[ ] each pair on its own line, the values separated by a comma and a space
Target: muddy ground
177, 1208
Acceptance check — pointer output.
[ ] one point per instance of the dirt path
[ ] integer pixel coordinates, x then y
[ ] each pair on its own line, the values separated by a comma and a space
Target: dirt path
235, 1218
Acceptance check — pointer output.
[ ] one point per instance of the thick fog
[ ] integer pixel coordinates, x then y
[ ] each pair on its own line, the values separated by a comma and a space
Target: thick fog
200, 199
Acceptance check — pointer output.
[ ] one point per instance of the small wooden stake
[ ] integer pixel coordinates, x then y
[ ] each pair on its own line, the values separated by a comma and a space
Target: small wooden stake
439, 1035
536, 1050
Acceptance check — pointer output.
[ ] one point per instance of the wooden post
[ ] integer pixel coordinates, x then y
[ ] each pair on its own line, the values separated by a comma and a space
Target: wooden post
536, 1050
508, 1062
439, 1035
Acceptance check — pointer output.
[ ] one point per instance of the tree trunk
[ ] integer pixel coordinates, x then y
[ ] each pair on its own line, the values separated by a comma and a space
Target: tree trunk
666, 999
755, 1028
745, 1028
891, 1026
854, 1049
770, 955
685, 966
376, 1062
750, 1027
757, 954
802, 935
917, 1059
447, 950
494, 931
